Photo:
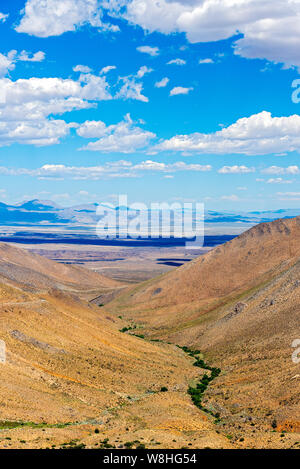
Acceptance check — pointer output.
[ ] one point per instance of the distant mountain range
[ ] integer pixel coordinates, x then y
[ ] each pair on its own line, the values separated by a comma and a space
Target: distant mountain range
47, 214
34, 218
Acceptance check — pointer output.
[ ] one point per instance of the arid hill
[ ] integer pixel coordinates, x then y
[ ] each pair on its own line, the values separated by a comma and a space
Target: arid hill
211, 280
31, 272
72, 378
240, 304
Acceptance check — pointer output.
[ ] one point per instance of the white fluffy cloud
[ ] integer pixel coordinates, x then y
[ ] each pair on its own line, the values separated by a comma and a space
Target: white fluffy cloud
46, 92
93, 129
162, 83
32, 104
173, 167
124, 137
270, 28
179, 90
108, 170
82, 69
235, 170
148, 50
27, 57
3, 17
176, 62
107, 69
39, 133
44, 18
26, 106
8, 61
206, 61
258, 134
278, 181
143, 71
131, 89
279, 170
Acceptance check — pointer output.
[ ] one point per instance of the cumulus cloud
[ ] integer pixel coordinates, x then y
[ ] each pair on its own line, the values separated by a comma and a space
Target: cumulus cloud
266, 30
116, 169
162, 83
94, 87
258, 134
39, 133
32, 104
270, 29
131, 89
153, 51
278, 181
28, 106
206, 61
3, 17
293, 169
7, 62
48, 95
176, 62
235, 170
143, 71
44, 18
179, 90
93, 129
82, 69
28, 57
124, 137
172, 167
107, 69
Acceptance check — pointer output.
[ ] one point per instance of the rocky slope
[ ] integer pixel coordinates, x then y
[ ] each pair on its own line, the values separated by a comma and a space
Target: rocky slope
71, 378
240, 305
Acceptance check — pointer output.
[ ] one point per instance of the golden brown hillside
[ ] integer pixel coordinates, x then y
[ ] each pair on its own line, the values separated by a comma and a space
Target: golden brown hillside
240, 304
177, 298
71, 376
32, 272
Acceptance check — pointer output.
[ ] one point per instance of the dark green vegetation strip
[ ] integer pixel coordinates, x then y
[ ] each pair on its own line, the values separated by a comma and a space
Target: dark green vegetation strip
198, 391
9, 424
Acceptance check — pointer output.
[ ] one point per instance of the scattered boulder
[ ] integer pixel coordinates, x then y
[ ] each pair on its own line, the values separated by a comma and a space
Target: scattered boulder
239, 307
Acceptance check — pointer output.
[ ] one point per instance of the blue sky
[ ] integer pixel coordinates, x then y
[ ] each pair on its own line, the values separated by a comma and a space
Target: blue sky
162, 101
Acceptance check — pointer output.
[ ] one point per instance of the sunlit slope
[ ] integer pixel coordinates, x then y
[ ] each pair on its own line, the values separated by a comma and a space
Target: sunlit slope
27, 270
67, 363
240, 304
182, 296
251, 340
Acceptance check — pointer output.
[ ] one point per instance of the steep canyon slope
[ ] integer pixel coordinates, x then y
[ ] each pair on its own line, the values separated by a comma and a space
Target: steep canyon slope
240, 304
